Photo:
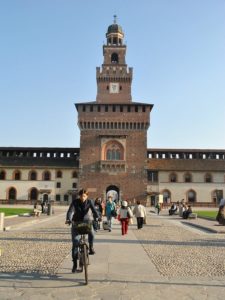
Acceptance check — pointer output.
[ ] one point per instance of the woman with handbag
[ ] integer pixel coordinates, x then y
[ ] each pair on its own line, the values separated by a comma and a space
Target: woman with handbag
125, 215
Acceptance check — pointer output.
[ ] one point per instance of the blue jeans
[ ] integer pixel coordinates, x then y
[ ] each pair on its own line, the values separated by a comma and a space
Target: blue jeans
110, 221
75, 241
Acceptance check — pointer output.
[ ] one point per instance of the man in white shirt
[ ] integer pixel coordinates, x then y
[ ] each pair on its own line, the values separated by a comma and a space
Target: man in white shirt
140, 213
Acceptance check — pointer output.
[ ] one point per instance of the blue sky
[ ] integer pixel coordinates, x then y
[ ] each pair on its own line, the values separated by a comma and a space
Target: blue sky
50, 50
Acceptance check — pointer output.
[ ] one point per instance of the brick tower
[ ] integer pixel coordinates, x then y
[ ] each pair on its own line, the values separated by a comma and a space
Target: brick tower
113, 129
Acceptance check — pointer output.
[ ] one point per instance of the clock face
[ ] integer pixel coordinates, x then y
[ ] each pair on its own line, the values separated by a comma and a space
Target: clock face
114, 88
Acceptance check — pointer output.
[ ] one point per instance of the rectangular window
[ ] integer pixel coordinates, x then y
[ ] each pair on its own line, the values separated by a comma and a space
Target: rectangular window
57, 197
74, 186
58, 185
66, 197
152, 176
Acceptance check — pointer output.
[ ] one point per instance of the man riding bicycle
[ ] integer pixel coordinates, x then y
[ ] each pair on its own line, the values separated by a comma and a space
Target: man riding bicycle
81, 210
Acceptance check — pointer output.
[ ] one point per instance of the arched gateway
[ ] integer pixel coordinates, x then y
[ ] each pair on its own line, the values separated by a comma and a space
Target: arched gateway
113, 191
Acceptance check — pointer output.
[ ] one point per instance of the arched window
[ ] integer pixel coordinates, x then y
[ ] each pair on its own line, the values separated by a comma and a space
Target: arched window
12, 194
208, 178
34, 194
2, 175
33, 175
114, 151
114, 58
59, 174
74, 174
173, 177
187, 177
191, 196
17, 175
47, 175
109, 154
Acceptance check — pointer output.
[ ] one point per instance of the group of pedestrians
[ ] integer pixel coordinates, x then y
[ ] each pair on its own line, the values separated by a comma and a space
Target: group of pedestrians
84, 210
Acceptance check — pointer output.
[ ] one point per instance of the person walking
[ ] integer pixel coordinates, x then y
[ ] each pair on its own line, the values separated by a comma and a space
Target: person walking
139, 212
125, 214
109, 210
81, 210
158, 207
98, 207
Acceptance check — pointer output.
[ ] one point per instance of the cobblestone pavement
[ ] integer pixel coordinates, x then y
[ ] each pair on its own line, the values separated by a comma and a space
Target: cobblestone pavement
178, 251
164, 259
39, 249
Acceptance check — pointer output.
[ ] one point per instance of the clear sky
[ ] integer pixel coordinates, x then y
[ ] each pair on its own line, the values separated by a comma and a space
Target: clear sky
49, 51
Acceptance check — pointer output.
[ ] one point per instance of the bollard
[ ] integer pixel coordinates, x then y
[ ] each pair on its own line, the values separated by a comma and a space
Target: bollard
49, 211
2, 216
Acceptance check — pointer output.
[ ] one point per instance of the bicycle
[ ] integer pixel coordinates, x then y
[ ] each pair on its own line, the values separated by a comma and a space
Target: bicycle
83, 255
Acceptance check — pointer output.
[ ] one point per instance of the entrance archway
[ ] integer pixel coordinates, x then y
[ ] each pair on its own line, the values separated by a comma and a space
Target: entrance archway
113, 191
45, 198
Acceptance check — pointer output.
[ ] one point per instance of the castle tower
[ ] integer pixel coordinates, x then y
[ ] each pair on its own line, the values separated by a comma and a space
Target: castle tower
113, 129
114, 79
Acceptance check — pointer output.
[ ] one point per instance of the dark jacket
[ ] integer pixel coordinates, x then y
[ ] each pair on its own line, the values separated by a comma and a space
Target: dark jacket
81, 211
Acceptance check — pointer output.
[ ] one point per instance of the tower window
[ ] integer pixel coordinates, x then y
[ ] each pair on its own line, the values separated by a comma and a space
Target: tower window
114, 151
114, 41
114, 58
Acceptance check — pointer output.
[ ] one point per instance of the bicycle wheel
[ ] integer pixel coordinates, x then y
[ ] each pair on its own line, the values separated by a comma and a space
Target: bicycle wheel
85, 263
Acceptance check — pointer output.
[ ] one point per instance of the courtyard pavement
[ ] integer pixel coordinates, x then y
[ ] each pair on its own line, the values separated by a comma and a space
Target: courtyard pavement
140, 265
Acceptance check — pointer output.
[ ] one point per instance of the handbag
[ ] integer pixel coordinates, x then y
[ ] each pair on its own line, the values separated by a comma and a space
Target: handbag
114, 213
130, 222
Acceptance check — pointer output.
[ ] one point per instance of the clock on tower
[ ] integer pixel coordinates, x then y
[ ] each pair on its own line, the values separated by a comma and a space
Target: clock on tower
113, 87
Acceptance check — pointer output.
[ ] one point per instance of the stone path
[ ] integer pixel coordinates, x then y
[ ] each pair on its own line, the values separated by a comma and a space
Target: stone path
164, 259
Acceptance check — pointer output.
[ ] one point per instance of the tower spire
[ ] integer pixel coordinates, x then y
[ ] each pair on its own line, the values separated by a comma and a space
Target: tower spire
115, 19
